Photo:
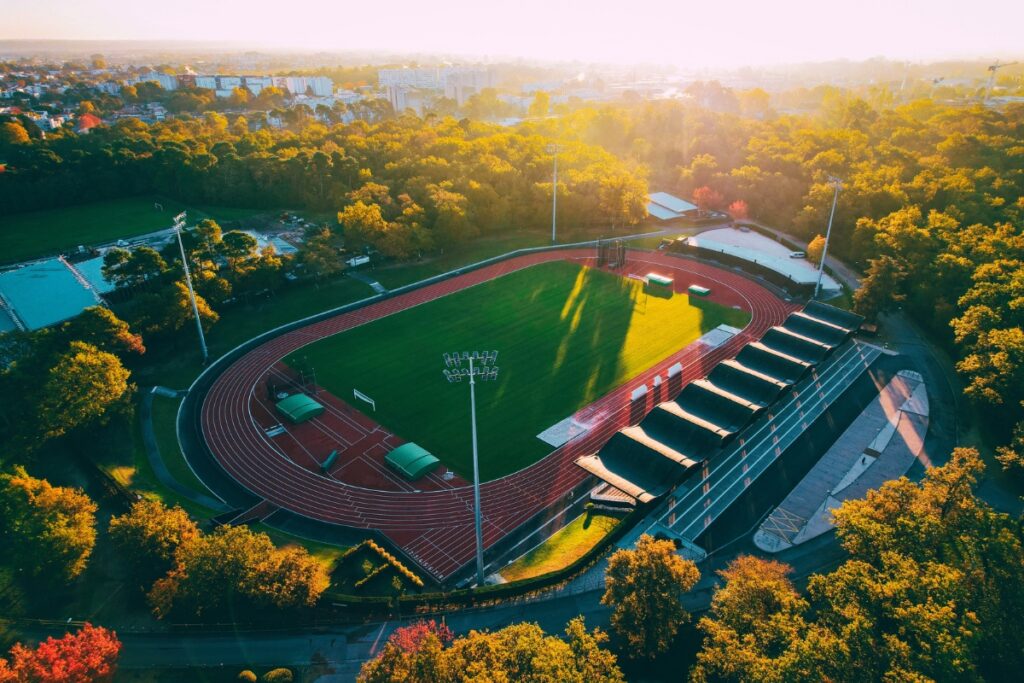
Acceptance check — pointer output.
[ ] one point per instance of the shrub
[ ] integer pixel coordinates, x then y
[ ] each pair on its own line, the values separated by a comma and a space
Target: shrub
278, 676
246, 676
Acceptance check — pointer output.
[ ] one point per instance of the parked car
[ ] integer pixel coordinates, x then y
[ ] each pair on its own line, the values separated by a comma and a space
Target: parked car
797, 254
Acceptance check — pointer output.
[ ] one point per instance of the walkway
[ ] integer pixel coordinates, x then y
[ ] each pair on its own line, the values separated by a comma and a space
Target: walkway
363, 277
881, 444
153, 452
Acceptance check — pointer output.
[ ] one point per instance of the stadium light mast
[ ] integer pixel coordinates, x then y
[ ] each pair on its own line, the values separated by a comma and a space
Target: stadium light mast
837, 185
179, 223
554, 150
480, 365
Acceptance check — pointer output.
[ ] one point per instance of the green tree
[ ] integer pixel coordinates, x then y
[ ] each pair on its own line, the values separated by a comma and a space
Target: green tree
882, 289
644, 586
47, 530
100, 327
80, 388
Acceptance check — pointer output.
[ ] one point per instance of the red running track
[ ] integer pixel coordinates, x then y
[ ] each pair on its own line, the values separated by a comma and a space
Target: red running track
435, 527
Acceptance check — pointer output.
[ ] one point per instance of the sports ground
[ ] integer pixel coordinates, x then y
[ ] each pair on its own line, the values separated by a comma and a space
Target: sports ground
565, 333
430, 521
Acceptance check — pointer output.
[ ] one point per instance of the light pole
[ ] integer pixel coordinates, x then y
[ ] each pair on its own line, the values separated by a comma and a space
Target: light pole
480, 365
554, 150
179, 223
837, 185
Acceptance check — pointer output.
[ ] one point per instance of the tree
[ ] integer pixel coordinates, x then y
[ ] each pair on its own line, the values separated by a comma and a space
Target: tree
707, 199
520, 652
738, 210
644, 587
170, 310
132, 268
87, 656
540, 106
83, 384
212, 570
755, 626
47, 530
12, 133
149, 535
100, 327
815, 249
1011, 456
882, 289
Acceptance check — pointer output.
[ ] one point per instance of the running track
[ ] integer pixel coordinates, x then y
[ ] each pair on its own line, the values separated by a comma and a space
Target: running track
435, 528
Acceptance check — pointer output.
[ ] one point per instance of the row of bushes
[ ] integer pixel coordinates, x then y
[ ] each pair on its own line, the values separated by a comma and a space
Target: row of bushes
369, 577
388, 558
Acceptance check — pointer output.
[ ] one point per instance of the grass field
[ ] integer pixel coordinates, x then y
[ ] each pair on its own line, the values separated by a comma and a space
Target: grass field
565, 334
564, 547
37, 233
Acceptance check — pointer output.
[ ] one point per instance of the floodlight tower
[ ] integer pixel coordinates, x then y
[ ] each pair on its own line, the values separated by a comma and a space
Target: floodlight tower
480, 365
554, 149
992, 69
837, 185
179, 223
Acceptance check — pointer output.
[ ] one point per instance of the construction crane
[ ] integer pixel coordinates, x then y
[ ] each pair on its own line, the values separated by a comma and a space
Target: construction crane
992, 69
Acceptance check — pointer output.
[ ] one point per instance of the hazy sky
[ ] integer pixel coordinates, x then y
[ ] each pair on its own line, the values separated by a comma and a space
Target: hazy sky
709, 32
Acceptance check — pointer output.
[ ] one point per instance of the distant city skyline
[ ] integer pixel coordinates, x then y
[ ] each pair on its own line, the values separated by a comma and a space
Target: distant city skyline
731, 33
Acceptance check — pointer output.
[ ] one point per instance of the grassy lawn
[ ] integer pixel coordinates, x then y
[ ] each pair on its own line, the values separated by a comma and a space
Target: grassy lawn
487, 247
563, 548
37, 233
176, 368
565, 334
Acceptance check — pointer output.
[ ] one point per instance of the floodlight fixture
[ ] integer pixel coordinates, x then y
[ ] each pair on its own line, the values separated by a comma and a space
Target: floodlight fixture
475, 364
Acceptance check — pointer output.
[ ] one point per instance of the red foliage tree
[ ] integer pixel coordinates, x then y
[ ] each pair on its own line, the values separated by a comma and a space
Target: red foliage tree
739, 210
707, 199
88, 656
409, 638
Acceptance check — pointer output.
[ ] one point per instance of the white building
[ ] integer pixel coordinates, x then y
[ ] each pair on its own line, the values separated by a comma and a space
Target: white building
165, 81
206, 82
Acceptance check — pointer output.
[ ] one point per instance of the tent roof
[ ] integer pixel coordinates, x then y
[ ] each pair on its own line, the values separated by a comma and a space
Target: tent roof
411, 460
299, 407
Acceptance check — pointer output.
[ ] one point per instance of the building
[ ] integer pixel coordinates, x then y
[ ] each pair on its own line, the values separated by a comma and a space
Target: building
165, 81
665, 207
86, 122
458, 83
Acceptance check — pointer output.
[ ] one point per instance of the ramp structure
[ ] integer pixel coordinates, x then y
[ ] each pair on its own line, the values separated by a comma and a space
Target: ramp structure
647, 460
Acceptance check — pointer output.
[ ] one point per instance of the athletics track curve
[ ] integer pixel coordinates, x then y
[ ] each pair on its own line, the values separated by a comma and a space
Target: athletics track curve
435, 528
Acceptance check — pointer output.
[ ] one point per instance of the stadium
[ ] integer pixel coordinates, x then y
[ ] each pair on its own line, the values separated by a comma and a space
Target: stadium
624, 371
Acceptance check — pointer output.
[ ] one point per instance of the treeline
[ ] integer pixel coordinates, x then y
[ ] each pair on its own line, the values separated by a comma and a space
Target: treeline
929, 591
931, 207
489, 178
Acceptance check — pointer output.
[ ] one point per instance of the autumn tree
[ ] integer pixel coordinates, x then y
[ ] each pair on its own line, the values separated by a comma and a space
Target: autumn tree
707, 199
47, 530
100, 327
149, 535
214, 570
738, 210
815, 249
756, 629
644, 586
88, 655
520, 652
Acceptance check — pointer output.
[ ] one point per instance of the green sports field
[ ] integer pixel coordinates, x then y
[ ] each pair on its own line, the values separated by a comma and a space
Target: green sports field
37, 233
565, 336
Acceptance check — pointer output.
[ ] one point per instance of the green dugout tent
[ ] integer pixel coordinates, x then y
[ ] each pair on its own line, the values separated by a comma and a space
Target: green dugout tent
411, 460
299, 408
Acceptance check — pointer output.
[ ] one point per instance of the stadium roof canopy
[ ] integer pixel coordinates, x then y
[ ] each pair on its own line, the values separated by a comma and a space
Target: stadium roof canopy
44, 293
299, 408
411, 460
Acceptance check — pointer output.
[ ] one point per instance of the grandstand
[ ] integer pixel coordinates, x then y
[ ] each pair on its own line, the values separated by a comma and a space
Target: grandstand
647, 460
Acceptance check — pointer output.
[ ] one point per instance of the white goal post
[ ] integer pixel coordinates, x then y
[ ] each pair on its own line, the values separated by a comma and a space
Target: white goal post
363, 397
